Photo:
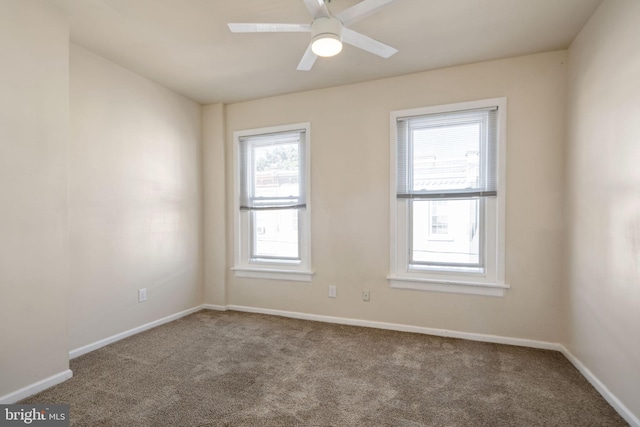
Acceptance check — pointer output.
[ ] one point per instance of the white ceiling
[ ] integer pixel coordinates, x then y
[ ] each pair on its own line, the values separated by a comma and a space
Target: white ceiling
186, 46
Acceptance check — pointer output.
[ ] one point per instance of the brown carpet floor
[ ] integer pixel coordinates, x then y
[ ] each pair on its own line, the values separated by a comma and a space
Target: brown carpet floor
240, 369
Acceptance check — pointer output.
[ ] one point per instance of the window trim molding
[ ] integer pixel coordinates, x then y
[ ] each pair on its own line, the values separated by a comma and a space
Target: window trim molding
448, 286
273, 274
298, 271
464, 283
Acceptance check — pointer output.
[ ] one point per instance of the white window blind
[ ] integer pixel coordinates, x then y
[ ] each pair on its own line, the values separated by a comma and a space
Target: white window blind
272, 174
447, 155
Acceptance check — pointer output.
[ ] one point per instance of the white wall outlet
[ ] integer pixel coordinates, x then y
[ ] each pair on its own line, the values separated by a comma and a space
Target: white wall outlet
365, 295
332, 292
142, 295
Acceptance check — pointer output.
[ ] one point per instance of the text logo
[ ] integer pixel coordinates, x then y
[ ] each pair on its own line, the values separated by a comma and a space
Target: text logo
34, 415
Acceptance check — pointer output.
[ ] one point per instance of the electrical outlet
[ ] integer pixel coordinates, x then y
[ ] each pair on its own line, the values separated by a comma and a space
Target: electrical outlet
332, 291
142, 295
365, 295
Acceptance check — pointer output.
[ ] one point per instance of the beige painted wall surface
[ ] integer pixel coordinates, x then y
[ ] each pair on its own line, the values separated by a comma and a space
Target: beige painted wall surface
34, 129
350, 194
213, 136
135, 210
604, 189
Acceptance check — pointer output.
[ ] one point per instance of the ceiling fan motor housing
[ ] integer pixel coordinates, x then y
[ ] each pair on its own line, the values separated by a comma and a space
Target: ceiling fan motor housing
326, 26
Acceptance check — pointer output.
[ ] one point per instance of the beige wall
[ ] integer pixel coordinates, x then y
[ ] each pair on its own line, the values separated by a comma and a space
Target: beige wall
604, 189
350, 193
117, 204
135, 190
215, 243
34, 128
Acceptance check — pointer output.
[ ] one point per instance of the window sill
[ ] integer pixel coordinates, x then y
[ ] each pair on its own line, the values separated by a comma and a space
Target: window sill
273, 274
448, 286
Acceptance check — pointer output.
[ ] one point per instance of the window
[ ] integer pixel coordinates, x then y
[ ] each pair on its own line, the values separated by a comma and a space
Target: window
448, 198
272, 206
439, 219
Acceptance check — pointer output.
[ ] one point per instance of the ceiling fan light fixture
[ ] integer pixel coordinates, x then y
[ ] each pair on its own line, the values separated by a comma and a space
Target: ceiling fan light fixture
326, 45
326, 36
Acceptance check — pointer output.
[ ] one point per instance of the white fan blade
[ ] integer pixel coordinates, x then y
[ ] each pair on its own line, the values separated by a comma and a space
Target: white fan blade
307, 61
317, 8
361, 10
367, 43
269, 28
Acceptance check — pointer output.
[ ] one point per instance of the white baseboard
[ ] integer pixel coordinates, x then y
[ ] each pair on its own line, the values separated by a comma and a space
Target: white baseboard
214, 307
402, 328
595, 382
122, 335
37, 387
613, 400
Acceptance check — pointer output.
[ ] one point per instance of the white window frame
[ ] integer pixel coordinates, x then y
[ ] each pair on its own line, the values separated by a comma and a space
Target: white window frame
274, 269
489, 282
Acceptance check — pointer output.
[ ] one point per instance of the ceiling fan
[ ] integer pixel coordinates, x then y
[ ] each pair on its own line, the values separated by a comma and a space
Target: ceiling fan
327, 31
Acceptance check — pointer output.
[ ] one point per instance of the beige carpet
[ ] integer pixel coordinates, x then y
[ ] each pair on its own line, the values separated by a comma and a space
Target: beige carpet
239, 369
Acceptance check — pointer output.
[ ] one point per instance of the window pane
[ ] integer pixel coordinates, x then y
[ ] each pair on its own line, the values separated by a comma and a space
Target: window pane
440, 218
275, 234
445, 232
446, 157
276, 170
